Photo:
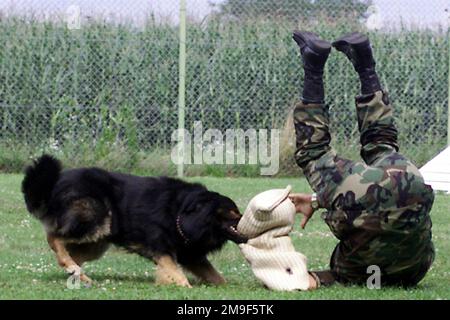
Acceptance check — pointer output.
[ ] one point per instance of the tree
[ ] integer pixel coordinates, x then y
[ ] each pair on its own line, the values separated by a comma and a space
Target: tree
293, 9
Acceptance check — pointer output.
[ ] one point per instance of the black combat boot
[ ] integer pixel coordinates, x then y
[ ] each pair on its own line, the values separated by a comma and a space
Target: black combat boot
357, 48
314, 53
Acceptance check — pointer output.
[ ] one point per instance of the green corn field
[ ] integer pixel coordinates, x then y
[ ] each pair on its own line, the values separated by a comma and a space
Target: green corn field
107, 95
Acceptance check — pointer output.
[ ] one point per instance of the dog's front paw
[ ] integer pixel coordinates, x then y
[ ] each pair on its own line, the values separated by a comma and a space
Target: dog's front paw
77, 275
179, 282
163, 278
217, 280
74, 270
184, 283
86, 280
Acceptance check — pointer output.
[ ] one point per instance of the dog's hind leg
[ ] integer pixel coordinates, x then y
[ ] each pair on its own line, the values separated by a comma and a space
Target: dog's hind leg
168, 272
65, 260
204, 270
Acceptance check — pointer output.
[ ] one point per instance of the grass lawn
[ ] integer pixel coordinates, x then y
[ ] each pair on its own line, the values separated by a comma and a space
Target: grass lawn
28, 269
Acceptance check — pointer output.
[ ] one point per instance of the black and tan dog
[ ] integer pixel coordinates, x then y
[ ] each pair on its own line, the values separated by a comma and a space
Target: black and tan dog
167, 220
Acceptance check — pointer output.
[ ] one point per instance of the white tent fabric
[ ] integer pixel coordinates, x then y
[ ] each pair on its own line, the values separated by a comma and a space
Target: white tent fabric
437, 171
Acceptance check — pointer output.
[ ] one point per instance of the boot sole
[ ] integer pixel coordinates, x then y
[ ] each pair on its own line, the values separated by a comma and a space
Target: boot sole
354, 39
312, 41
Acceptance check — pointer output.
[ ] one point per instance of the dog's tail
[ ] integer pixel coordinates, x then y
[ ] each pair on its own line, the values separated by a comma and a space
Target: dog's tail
37, 186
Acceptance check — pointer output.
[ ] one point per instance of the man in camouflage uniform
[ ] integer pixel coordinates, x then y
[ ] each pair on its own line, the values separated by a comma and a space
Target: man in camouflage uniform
379, 207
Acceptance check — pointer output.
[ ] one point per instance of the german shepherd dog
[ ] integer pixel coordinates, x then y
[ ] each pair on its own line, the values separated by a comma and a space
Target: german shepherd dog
167, 220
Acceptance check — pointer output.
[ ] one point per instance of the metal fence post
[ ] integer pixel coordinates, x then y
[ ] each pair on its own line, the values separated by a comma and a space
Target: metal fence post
448, 83
182, 85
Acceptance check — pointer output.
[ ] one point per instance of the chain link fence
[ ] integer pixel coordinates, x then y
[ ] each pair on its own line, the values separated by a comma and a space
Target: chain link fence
96, 83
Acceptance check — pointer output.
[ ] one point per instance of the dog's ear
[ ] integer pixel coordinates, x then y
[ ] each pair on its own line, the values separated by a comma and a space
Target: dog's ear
190, 202
206, 208
227, 208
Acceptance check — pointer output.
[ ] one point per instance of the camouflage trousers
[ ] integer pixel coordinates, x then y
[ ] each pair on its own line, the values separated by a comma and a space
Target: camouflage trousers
379, 207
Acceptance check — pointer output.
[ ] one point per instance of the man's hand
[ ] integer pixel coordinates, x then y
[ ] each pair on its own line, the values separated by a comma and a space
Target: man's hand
302, 202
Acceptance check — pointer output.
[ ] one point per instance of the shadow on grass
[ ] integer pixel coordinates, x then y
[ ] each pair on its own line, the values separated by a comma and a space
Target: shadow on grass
100, 277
